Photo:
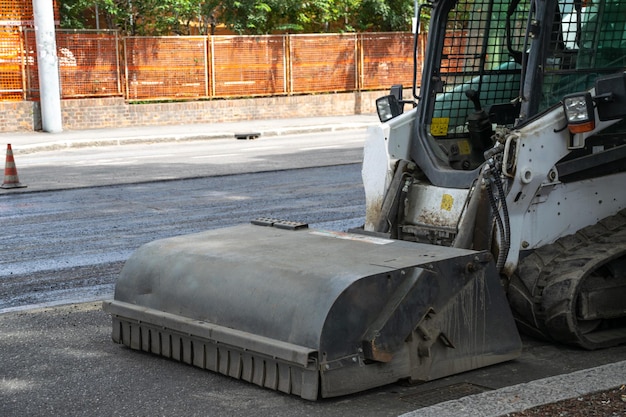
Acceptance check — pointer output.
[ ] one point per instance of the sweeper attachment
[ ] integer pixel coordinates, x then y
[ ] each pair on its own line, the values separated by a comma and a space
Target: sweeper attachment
313, 313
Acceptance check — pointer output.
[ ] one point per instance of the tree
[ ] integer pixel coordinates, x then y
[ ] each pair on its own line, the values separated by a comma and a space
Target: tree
252, 17
313, 16
259, 17
330, 15
139, 17
385, 15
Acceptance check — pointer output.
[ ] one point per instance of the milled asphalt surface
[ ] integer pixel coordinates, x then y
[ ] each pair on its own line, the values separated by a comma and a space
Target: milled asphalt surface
488, 404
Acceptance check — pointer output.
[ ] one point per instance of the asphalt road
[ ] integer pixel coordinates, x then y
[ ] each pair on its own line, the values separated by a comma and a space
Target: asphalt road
85, 209
61, 362
69, 245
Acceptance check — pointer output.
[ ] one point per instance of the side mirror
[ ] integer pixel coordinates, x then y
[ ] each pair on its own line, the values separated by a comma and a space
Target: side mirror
611, 97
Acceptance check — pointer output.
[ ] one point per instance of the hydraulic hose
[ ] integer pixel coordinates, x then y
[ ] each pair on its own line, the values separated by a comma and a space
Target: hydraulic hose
502, 221
506, 244
498, 218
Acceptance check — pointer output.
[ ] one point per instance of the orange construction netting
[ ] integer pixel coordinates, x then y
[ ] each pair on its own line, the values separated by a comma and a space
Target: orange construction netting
323, 63
248, 65
14, 16
166, 67
20, 12
11, 64
89, 64
101, 63
387, 59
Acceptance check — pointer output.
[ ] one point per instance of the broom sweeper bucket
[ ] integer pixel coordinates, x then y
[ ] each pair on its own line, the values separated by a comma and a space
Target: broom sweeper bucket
310, 312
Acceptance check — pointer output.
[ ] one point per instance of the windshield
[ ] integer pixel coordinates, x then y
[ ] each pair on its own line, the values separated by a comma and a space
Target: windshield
477, 55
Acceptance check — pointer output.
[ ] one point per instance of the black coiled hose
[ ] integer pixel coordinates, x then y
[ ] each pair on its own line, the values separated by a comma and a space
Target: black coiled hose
504, 226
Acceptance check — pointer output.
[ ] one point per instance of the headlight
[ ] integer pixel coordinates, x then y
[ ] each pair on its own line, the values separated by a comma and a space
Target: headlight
579, 112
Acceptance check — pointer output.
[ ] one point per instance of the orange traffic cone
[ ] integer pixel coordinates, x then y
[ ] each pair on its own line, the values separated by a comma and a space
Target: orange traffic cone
10, 172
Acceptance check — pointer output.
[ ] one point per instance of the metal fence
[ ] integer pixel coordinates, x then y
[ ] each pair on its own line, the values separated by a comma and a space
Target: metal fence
323, 63
89, 64
12, 64
248, 65
19, 13
165, 67
102, 63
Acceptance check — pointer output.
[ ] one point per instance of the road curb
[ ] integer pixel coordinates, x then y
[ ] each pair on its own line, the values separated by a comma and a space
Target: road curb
528, 395
178, 137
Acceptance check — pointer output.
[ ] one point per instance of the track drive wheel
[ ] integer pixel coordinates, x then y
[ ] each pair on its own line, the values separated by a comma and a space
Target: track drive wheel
573, 291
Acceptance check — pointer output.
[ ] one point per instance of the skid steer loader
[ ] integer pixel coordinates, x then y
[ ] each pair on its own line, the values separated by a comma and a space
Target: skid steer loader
496, 199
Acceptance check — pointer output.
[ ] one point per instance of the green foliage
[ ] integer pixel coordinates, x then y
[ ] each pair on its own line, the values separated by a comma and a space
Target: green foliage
73, 14
252, 17
386, 15
139, 17
315, 16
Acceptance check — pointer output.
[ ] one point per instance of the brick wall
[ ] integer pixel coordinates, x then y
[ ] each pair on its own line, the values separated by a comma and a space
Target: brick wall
19, 116
115, 112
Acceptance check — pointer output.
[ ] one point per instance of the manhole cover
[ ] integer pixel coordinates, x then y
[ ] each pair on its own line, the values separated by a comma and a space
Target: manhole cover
441, 394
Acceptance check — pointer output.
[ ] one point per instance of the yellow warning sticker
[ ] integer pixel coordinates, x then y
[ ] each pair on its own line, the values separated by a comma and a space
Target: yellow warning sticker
439, 126
446, 202
464, 147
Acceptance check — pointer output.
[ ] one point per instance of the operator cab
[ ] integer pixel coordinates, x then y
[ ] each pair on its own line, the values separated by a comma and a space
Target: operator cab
492, 66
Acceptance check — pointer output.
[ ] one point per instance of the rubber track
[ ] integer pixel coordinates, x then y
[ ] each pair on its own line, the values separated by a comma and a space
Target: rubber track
543, 291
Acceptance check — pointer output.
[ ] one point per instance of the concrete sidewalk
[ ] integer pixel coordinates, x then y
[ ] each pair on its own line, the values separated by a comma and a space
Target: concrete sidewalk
520, 397
28, 142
